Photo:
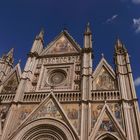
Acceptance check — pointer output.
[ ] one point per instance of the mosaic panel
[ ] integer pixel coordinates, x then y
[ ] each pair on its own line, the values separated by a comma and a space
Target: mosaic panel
73, 113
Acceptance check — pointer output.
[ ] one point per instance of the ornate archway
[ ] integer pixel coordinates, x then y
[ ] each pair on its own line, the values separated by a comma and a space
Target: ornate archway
107, 136
44, 132
45, 129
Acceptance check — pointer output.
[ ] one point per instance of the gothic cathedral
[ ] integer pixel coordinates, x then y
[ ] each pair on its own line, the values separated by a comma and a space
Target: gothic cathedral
58, 95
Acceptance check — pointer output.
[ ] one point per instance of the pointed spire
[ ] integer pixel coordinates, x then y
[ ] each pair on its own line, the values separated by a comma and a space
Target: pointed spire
88, 30
40, 35
10, 53
119, 46
119, 43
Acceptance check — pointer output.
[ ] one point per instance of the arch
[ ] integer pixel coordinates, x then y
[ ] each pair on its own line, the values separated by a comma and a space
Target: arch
107, 136
45, 129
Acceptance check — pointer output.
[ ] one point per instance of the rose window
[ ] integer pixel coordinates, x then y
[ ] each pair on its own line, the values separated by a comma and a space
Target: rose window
56, 77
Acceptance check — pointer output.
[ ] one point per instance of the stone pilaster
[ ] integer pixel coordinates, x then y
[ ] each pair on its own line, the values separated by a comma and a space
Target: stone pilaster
86, 84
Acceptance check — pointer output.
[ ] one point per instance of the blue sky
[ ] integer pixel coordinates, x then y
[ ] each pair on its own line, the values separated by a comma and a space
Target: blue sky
20, 21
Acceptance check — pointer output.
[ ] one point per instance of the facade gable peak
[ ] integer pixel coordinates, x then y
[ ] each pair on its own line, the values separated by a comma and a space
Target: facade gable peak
63, 43
101, 126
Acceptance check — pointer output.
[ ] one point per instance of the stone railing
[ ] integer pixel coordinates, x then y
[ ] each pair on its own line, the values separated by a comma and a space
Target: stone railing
105, 95
6, 97
61, 96
66, 96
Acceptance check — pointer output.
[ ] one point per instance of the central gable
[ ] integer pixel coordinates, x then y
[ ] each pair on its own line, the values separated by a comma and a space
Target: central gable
62, 44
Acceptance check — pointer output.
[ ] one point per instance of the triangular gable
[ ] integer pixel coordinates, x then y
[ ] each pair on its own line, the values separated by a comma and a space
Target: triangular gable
48, 108
104, 77
107, 122
63, 43
9, 85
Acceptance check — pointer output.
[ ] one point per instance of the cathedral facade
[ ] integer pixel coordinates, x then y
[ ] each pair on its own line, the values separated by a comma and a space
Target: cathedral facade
58, 95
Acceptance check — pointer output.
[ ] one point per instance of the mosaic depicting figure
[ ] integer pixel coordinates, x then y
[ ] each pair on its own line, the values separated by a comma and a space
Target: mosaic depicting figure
105, 81
61, 45
73, 114
96, 109
107, 125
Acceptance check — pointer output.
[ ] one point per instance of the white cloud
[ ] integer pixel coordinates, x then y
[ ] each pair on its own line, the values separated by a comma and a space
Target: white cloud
136, 1
137, 81
133, 1
136, 24
109, 20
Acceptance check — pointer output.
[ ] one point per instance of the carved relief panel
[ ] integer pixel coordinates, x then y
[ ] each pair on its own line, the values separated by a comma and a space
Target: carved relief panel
51, 70
59, 77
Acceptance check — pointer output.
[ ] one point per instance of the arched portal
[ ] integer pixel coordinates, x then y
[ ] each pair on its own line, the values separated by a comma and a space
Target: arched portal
44, 132
45, 129
107, 136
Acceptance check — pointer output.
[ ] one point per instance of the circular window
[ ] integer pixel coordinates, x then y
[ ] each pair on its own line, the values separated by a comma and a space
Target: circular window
56, 77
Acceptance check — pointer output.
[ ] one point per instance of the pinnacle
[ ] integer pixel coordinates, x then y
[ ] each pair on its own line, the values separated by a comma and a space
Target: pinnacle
9, 56
10, 53
41, 34
119, 43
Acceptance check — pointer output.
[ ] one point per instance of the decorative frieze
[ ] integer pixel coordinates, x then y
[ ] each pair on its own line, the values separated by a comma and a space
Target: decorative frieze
61, 60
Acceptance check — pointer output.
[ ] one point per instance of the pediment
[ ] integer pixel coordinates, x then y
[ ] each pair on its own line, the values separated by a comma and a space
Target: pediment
49, 108
107, 123
104, 77
62, 44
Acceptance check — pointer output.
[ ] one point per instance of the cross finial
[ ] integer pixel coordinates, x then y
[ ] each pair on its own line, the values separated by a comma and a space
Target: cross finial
88, 30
